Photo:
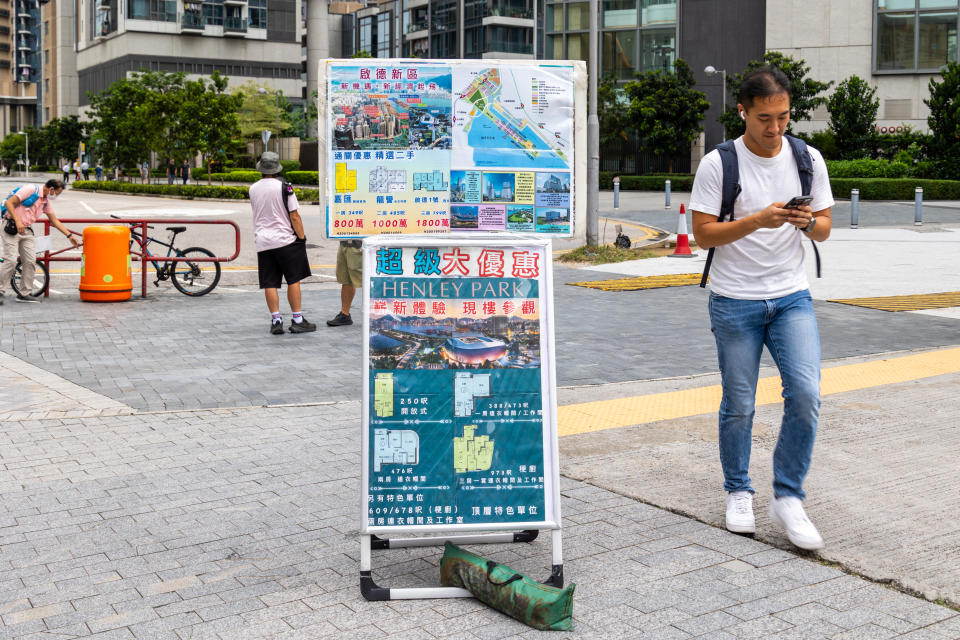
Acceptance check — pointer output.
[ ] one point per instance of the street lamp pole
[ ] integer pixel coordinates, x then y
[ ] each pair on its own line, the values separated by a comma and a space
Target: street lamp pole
710, 70
27, 137
278, 122
593, 134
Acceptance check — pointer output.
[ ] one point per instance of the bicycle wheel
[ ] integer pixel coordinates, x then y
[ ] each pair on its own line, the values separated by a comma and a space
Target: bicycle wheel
41, 278
195, 278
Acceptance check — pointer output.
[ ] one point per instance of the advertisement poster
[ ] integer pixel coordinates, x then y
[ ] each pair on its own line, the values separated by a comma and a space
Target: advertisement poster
428, 147
457, 404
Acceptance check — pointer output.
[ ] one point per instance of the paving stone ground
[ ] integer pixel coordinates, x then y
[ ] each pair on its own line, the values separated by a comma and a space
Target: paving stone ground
242, 523
172, 471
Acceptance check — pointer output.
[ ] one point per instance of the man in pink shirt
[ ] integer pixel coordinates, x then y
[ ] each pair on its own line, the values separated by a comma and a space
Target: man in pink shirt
21, 209
281, 244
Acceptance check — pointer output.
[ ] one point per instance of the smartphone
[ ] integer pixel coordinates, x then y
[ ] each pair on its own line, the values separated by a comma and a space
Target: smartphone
798, 201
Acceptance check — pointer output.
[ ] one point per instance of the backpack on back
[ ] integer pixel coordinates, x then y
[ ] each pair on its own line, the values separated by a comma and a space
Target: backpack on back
29, 201
731, 187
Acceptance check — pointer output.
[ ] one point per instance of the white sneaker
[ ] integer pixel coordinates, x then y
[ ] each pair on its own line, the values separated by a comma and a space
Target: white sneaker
740, 512
788, 513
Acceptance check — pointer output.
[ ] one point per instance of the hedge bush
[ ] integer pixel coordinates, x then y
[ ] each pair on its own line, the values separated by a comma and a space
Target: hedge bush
866, 168
290, 165
188, 190
303, 177
678, 182
896, 189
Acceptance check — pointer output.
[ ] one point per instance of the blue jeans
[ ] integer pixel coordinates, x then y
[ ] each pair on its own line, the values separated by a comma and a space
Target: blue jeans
788, 327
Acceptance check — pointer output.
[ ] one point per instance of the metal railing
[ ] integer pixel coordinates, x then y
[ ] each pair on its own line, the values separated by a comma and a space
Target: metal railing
191, 20
140, 225
235, 24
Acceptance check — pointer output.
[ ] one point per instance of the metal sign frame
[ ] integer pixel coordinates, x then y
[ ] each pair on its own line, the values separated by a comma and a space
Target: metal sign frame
369, 534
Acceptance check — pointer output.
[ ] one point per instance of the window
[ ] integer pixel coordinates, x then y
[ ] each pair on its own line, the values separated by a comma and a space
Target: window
578, 16
658, 50
46, 28
384, 41
915, 36
46, 56
619, 13
619, 54
46, 85
159, 10
366, 35
554, 48
258, 14
658, 12
554, 21
212, 12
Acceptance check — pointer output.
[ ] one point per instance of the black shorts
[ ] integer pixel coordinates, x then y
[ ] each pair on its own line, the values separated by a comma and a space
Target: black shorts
289, 263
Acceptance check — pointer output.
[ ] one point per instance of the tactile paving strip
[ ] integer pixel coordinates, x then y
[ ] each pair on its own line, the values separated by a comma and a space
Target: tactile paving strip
642, 282
917, 302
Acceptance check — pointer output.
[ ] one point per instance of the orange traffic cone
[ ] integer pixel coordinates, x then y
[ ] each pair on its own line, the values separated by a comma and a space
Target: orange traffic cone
683, 242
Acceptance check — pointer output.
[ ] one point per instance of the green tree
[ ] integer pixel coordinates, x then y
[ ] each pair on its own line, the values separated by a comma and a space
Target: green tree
667, 110
804, 98
12, 148
116, 118
853, 113
61, 138
258, 112
208, 117
613, 107
944, 121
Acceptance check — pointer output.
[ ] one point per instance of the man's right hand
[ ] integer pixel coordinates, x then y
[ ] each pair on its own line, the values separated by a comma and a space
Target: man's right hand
773, 216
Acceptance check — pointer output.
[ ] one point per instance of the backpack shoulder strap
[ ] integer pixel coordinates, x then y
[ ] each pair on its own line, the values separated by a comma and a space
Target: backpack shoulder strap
805, 169
285, 190
804, 163
729, 193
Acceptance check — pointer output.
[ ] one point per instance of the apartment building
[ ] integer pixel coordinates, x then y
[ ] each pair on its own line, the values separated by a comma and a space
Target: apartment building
20, 34
448, 29
896, 45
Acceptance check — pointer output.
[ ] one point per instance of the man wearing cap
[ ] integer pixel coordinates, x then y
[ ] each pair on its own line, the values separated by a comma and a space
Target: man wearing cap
22, 208
281, 243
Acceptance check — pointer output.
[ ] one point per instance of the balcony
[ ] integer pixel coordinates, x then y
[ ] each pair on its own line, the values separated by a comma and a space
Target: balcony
417, 31
508, 16
413, 4
24, 45
235, 3
191, 22
234, 26
505, 46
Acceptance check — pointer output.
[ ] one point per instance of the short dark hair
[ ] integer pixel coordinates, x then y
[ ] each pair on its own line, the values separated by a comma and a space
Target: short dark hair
54, 184
764, 82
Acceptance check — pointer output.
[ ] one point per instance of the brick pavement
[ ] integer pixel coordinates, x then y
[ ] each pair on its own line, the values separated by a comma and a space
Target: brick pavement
170, 352
209, 515
242, 523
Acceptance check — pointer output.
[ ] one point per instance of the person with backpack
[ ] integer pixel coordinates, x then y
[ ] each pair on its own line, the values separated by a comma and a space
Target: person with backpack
759, 294
19, 210
281, 244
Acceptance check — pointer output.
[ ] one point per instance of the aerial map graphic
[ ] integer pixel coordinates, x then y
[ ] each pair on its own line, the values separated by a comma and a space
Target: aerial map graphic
519, 117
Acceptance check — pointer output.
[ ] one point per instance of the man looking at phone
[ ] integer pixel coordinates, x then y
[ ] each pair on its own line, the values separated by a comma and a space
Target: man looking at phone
759, 296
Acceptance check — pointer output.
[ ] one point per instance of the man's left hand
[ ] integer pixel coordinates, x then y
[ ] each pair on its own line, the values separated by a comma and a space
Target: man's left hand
800, 217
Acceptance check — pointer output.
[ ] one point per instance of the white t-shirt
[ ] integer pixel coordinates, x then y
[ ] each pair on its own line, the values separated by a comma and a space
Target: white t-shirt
271, 222
767, 263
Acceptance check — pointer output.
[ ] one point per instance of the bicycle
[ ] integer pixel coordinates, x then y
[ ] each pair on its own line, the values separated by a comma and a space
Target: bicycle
41, 279
188, 277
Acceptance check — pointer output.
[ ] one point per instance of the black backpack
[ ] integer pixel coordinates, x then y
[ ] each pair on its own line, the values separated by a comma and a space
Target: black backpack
731, 186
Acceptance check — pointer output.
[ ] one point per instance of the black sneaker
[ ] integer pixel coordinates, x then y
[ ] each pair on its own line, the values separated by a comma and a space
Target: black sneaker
276, 328
302, 327
342, 319
30, 297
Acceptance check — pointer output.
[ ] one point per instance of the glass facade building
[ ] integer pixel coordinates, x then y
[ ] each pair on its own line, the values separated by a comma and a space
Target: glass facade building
635, 35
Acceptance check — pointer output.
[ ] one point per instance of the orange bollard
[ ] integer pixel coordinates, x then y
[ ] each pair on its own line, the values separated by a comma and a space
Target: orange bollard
105, 265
